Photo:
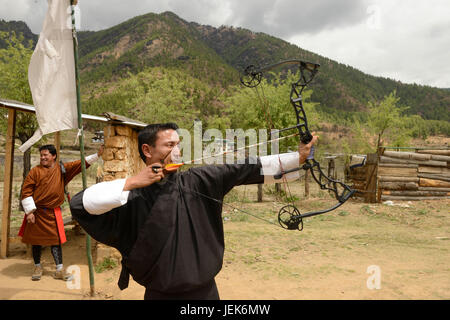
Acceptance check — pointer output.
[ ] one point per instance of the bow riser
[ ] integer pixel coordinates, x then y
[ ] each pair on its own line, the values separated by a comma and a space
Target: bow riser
341, 191
289, 216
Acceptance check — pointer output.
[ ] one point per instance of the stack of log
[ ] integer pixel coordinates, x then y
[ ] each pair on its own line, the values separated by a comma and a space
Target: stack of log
420, 175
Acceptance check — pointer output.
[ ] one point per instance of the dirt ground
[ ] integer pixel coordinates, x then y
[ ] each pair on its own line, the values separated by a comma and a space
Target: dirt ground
360, 251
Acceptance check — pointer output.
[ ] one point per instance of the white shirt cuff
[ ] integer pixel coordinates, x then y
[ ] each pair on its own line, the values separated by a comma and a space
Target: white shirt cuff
105, 196
271, 166
28, 205
92, 158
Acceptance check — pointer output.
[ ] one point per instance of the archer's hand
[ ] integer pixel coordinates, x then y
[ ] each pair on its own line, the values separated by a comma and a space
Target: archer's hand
31, 218
305, 149
144, 178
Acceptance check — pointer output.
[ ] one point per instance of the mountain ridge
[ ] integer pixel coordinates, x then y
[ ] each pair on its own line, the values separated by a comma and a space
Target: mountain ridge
217, 55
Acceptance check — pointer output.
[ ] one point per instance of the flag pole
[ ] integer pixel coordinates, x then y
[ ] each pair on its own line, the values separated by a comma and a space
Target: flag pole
73, 3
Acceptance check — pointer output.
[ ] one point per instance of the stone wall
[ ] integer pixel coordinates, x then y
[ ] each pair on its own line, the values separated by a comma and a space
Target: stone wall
121, 160
121, 156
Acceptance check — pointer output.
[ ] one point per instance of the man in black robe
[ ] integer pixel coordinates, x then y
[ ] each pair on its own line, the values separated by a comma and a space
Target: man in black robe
168, 226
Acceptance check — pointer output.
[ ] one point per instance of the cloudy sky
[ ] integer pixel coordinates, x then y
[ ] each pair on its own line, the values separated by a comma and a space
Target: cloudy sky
406, 40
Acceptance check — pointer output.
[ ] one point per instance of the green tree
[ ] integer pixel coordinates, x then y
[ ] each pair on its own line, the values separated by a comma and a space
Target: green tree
387, 122
14, 61
268, 106
358, 141
161, 95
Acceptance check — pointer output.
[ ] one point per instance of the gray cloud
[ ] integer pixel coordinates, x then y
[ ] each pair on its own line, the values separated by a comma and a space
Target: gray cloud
32, 12
279, 18
404, 39
98, 15
287, 18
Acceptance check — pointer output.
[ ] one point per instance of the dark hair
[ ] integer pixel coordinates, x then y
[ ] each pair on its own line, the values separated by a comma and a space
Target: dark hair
51, 148
149, 134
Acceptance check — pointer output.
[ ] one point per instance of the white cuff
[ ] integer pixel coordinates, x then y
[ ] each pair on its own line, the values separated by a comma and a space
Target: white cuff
271, 166
28, 205
105, 196
92, 158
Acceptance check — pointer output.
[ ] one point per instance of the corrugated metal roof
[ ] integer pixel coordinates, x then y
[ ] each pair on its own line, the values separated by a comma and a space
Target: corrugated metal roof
11, 104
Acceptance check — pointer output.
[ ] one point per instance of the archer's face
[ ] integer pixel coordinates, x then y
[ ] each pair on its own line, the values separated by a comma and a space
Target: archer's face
47, 159
166, 143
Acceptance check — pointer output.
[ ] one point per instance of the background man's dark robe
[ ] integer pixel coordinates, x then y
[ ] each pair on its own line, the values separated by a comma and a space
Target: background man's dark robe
171, 237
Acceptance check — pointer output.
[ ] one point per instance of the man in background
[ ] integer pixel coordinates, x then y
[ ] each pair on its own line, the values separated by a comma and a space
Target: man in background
42, 196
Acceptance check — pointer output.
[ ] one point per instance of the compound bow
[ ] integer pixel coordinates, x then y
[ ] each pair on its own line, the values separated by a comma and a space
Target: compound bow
289, 216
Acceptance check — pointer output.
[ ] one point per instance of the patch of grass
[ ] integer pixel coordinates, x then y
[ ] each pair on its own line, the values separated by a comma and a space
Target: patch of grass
325, 217
239, 217
236, 196
367, 210
280, 194
343, 213
252, 258
421, 212
291, 198
321, 194
107, 264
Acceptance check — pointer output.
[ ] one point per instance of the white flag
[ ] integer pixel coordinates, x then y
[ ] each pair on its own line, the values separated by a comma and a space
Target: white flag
51, 74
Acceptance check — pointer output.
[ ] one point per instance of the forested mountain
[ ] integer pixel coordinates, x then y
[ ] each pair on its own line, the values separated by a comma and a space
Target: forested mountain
148, 41
19, 27
215, 56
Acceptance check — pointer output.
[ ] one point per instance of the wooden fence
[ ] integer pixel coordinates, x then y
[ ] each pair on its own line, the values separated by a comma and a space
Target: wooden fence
362, 178
419, 174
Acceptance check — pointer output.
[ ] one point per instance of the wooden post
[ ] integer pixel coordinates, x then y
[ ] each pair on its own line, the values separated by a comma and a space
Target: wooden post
306, 183
278, 188
371, 179
260, 192
331, 168
332, 173
81, 140
7, 183
57, 143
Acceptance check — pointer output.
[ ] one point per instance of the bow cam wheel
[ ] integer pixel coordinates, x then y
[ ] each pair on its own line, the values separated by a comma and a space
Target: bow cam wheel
251, 78
289, 217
